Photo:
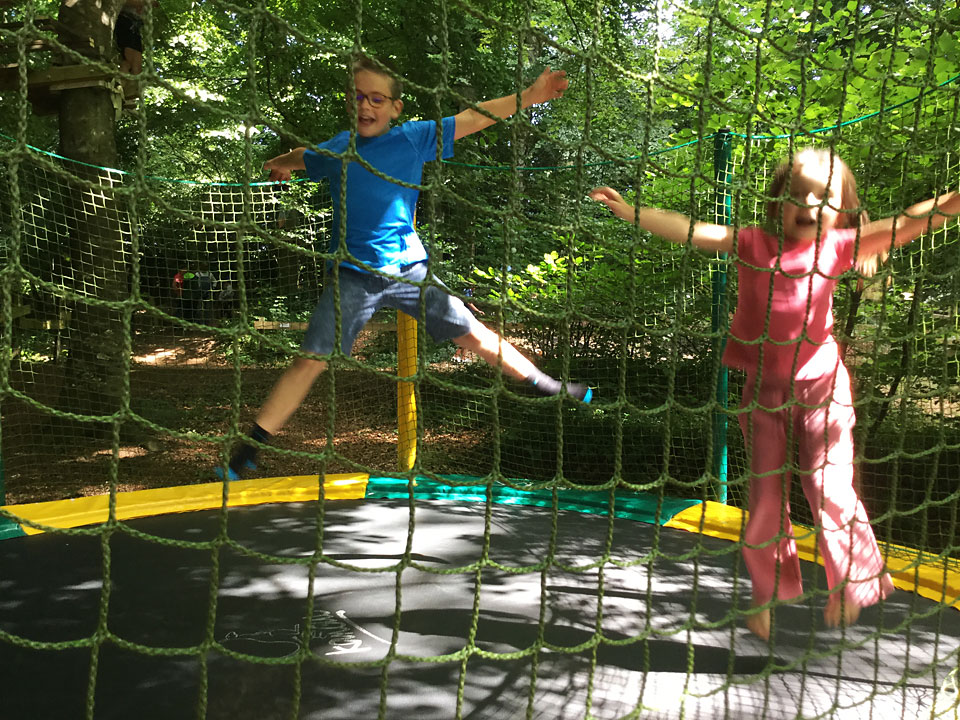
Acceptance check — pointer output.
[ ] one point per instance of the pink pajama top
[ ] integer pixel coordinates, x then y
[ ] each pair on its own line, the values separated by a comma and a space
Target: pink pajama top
800, 304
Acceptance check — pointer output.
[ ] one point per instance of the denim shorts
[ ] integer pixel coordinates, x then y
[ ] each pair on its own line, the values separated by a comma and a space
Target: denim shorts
127, 33
362, 294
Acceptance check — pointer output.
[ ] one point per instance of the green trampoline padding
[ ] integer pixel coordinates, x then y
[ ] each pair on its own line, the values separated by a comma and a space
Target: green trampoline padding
641, 507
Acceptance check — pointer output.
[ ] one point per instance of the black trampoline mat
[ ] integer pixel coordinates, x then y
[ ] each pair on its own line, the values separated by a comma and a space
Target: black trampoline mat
677, 646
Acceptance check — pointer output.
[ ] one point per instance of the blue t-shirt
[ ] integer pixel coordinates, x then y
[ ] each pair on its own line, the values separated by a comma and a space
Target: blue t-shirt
380, 229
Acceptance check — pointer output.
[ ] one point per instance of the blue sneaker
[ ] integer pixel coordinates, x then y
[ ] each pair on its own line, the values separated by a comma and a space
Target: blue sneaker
231, 473
580, 392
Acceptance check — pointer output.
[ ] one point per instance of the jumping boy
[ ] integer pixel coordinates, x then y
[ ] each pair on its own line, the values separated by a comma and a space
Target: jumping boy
380, 235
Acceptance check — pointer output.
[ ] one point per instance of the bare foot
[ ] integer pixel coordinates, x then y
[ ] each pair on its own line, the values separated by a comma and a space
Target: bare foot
834, 614
759, 623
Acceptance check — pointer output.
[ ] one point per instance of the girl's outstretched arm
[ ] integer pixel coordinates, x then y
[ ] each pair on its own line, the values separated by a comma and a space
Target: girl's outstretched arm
672, 226
880, 235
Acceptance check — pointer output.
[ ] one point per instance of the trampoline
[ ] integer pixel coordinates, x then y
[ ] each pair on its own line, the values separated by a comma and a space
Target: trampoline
629, 616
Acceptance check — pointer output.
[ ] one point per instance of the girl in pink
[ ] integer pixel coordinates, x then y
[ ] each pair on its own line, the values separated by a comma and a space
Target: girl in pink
797, 391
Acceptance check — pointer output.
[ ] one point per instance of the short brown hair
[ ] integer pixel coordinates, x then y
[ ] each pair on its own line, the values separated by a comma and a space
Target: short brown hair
382, 68
851, 213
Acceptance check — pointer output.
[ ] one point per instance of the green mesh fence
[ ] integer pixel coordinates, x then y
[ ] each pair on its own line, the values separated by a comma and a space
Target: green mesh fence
144, 319
632, 318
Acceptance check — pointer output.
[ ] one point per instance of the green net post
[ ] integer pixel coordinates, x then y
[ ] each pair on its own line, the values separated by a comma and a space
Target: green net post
724, 215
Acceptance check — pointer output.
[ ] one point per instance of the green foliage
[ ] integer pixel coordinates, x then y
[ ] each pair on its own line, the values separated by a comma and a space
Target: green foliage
273, 350
229, 86
381, 350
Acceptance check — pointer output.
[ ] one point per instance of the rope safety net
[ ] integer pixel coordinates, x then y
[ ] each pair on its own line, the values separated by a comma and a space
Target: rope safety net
145, 318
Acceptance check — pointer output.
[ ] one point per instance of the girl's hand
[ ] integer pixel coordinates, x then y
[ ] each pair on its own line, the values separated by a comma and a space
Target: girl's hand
606, 195
669, 225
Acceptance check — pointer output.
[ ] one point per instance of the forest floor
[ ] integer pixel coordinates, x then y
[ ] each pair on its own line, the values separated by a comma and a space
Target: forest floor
185, 384
189, 396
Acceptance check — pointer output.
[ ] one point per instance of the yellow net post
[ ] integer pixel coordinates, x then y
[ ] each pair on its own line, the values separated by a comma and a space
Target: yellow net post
406, 397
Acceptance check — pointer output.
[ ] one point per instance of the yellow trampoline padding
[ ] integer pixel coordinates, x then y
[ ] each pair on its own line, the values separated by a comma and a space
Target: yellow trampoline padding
143, 503
931, 576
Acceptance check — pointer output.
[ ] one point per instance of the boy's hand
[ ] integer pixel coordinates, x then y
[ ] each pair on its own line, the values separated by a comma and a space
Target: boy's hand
606, 195
550, 85
276, 170
281, 167
277, 174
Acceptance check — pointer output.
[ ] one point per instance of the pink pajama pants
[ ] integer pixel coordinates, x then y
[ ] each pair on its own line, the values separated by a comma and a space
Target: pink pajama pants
820, 418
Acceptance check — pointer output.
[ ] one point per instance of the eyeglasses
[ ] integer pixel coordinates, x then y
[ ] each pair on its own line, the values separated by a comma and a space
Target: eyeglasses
375, 99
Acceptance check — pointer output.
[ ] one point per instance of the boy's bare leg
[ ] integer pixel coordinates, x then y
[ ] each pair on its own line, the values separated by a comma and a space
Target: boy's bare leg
132, 61
289, 393
285, 397
491, 347
488, 345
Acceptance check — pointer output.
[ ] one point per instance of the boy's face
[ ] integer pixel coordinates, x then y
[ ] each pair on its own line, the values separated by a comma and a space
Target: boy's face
811, 183
375, 107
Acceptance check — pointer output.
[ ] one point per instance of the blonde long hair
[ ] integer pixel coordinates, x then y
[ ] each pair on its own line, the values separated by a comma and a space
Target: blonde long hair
851, 213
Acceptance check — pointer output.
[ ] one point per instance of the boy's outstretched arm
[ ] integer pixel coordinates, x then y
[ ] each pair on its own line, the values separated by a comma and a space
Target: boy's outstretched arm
282, 166
880, 235
551, 84
672, 226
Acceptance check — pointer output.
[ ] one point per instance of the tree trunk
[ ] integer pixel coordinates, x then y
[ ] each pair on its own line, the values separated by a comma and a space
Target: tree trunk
98, 264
